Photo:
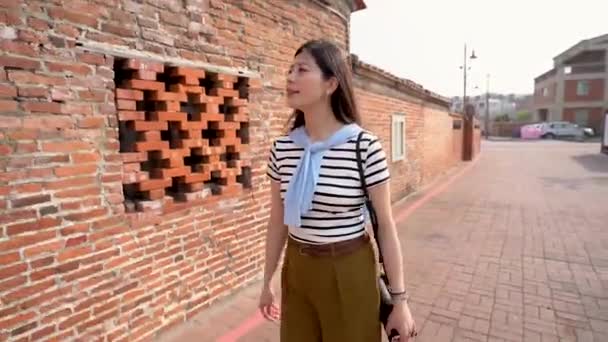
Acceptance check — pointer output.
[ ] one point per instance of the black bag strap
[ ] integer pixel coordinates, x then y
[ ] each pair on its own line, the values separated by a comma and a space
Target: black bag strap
368, 202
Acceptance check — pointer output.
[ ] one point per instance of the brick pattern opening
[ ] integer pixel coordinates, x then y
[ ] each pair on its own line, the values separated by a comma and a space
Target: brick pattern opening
181, 131
457, 124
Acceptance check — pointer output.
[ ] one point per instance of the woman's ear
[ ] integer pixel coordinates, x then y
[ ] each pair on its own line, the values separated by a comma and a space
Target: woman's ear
332, 85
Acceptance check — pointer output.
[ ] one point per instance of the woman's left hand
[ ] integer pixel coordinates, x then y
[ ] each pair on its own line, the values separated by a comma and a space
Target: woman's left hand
401, 320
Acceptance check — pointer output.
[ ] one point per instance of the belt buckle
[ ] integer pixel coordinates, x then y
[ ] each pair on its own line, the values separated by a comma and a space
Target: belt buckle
302, 250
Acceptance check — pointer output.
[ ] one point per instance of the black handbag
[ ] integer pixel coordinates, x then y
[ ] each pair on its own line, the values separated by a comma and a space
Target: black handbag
386, 306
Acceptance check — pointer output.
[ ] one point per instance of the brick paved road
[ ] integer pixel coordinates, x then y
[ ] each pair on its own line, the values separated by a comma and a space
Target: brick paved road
515, 250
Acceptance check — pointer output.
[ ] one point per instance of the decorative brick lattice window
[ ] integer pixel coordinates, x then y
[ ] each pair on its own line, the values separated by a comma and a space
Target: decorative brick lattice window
182, 131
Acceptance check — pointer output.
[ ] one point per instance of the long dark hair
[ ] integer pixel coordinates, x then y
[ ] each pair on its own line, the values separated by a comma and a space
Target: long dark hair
332, 63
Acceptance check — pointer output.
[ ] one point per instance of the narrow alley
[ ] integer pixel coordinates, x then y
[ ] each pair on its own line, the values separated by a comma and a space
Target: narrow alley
511, 248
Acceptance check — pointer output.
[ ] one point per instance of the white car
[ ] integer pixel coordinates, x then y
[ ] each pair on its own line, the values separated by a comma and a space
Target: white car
564, 129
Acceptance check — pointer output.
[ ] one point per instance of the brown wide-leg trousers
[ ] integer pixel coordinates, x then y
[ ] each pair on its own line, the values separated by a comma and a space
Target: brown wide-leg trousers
330, 298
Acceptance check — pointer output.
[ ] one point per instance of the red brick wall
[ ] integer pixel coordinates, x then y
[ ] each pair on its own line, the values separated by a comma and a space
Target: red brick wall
596, 91
476, 139
432, 145
457, 138
595, 117
438, 142
72, 262
377, 110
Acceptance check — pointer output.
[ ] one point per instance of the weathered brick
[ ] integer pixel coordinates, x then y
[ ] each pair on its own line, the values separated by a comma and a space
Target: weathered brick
83, 216
7, 91
125, 105
41, 224
28, 77
5, 150
10, 17
91, 58
28, 91
19, 62
66, 171
77, 69
6, 322
24, 328
72, 16
70, 183
46, 261
27, 188
46, 107
92, 122
13, 270
17, 242
8, 106
85, 158
48, 247
38, 24
9, 121
28, 201
67, 30
65, 146
150, 125
92, 95
43, 332
18, 48
144, 85
9, 258
28, 291
119, 29
73, 320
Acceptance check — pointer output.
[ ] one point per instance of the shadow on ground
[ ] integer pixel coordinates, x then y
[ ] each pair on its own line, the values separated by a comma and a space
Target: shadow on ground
596, 162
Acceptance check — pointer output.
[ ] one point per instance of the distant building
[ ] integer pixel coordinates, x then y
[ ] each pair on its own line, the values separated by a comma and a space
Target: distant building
576, 88
499, 105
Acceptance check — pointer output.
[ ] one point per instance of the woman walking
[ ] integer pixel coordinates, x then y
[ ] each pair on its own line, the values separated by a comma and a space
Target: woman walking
329, 279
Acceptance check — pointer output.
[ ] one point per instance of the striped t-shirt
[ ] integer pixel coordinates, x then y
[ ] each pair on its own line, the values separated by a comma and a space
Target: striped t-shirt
337, 211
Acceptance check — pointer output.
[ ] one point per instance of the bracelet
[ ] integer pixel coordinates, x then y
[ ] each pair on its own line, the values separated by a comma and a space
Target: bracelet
400, 297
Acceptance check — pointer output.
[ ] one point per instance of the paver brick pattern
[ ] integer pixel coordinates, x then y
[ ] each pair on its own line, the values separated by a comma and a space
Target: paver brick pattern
515, 250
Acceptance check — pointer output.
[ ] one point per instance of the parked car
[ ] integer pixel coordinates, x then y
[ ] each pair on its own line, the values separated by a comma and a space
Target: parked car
564, 129
532, 131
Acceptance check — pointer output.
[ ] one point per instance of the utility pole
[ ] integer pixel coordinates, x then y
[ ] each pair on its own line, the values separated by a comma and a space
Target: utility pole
487, 128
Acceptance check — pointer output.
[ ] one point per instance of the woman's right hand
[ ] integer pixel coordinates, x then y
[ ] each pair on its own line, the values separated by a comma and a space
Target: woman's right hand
267, 304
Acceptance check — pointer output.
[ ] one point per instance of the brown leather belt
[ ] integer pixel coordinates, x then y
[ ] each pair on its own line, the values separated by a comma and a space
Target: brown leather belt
330, 249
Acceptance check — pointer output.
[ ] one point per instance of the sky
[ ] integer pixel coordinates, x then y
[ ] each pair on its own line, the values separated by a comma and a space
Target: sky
514, 40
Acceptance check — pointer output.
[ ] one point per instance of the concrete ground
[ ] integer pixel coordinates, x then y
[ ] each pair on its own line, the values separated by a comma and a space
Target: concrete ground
515, 249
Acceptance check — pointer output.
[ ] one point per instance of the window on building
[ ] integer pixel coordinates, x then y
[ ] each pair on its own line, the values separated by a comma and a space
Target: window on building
582, 88
398, 137
545, 91
567, 70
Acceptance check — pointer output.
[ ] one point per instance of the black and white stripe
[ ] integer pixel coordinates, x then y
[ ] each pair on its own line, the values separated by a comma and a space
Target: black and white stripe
338, 202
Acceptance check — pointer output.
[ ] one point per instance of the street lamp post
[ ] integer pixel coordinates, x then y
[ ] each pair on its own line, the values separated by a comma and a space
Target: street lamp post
464, 69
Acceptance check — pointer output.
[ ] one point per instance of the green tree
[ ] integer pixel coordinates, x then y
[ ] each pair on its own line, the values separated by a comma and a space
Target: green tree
502, 118
523, 116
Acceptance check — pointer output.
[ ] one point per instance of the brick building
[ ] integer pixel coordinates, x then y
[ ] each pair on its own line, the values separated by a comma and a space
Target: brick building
133, 143
576, 88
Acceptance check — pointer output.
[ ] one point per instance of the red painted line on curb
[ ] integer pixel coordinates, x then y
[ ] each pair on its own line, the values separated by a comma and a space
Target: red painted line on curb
257, 318
240, 331
405, 213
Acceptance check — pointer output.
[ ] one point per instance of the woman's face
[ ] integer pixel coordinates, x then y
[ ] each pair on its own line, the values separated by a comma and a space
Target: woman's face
305, 83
